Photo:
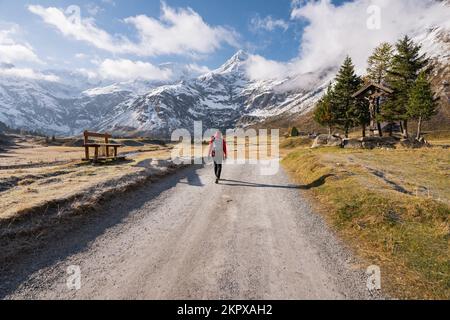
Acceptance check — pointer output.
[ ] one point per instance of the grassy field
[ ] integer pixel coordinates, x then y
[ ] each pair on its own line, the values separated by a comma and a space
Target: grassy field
391, 206
27, 151
32, 175
439, 138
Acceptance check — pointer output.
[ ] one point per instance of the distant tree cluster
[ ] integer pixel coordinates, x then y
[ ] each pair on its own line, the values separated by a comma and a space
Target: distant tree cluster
24, 132
6, 129
403, 69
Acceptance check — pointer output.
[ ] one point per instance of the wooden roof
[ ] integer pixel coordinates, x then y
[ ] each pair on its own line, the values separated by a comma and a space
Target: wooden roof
370, 87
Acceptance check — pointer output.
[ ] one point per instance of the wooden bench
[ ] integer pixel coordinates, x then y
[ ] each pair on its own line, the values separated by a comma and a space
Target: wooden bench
96, 146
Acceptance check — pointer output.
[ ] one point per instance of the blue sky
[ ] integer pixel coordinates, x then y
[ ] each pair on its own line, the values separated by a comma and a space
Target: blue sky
117, 37
279, 44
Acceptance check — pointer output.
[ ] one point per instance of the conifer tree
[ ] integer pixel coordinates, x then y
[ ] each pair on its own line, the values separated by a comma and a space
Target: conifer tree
421, 104
362, 114
379, 63
325, 111
294, 132
347, 83
406, 65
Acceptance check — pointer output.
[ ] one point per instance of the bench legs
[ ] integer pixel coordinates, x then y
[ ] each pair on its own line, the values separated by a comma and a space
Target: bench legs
97, 153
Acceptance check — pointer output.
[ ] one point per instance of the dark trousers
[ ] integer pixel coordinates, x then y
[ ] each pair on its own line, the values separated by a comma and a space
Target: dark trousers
218, 169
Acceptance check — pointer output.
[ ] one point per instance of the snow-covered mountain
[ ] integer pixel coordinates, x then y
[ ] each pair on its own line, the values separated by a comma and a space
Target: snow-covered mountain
222, 98
436, 45
65, 107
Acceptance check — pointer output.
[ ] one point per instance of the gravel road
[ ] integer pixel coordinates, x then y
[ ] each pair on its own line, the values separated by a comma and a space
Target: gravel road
251, 237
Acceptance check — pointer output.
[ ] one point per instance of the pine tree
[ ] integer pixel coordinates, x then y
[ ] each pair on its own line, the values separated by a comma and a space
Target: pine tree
324, 113
362, 114
379, 63
406, 65
294, 132
347, 83
421, 104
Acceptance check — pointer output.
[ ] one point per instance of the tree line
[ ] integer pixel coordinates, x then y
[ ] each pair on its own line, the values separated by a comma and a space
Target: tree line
23, 132
401, 68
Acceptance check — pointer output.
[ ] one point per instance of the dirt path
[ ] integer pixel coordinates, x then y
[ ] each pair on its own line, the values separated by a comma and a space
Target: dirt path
252, 237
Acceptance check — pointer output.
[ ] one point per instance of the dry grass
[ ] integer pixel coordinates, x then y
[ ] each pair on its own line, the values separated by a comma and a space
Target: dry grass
28, 153
43, 180
438, 138
289, 144
35, 155
41, 175
392, 207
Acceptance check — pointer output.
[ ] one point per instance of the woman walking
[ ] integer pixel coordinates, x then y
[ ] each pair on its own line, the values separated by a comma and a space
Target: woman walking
218, 151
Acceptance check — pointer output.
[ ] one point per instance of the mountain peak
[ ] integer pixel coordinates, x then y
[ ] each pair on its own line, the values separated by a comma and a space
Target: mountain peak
241, 56
235, 62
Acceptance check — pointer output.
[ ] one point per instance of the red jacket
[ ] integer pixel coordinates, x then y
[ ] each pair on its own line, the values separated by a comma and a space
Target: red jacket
224, 147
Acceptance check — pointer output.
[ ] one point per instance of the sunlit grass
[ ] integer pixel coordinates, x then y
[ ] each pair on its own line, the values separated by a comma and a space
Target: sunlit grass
392, 207
32, 186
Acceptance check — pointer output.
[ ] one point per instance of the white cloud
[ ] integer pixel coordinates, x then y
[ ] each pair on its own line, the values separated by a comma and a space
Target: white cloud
128, 70
298, 3
11, 51
336, 31
88, 73
27, 73
95, 61
177, 31
81, 55
83, 30
197, 69
268, 24
260, 68
17, 52
123, 70
110, 2
93, 9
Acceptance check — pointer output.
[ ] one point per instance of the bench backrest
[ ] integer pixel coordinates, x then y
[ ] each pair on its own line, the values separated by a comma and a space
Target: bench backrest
88, 134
